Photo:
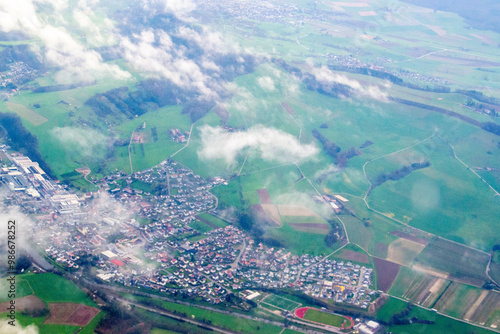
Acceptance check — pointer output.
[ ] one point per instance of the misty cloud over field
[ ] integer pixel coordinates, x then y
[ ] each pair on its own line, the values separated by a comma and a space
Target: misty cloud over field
325, 76
266, 83
269, 143
85, 141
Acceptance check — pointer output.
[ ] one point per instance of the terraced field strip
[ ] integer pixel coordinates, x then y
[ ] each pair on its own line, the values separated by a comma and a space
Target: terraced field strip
310, 228
488, 311
29, 115
296, 210
476, 304
457, 300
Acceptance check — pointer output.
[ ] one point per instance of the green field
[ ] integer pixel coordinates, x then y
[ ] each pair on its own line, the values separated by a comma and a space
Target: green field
240, 325
441, 324
419, 288
23, 289
461, 262
52, 288
27, 321
214, 220
457, 299
327, 318
200, 226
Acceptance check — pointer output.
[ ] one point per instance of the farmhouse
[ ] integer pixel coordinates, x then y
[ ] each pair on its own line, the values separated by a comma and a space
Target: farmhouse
341, 198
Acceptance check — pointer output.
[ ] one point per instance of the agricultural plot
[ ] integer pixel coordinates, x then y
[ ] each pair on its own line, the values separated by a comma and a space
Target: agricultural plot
311, 224
264, 196
212, 221
350, 255
299, 242
433, 196
27, 304
410, 237
200, 226
29, 115
71, 314
386, 273
458, 299
23, 289
440, 324
52, 288
462, 263
403, 251
271, 212
486, 309
296, 210
418, 287
281, 303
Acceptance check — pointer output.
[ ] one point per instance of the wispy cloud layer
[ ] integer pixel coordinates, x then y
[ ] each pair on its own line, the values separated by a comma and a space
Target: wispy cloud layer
269, 143
76, 62
83, 141
325, 76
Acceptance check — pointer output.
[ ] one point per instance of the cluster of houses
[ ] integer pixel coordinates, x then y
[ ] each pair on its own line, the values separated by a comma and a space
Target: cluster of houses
178, 136
381, 65
18, 74
150, 240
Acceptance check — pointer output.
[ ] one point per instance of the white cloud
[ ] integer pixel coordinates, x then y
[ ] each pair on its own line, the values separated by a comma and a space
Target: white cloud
266, 83
77, 63
180, 8
83, 141
5, 328
152, 52
271, 144
325, 76
210, 41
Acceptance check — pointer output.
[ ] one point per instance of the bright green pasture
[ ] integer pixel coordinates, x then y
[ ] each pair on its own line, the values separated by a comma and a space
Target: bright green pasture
52, 288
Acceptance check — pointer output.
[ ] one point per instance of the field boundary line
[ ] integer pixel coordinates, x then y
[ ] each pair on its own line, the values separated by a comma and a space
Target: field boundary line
293, 118
129, 155
463, 163
385, 155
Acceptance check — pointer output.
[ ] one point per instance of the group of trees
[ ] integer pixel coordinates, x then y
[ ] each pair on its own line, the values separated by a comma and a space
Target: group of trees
256, 228
340, 157
20, 139
334, 234
397, 174
402, 318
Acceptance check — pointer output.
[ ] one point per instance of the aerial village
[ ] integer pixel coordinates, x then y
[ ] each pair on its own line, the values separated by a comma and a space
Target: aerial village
171, 242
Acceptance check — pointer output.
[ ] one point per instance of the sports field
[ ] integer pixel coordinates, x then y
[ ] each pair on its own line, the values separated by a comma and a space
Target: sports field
330, 319
281, 303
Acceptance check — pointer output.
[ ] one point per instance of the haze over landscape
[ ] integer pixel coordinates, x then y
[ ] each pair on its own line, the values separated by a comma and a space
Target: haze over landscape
269, 166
